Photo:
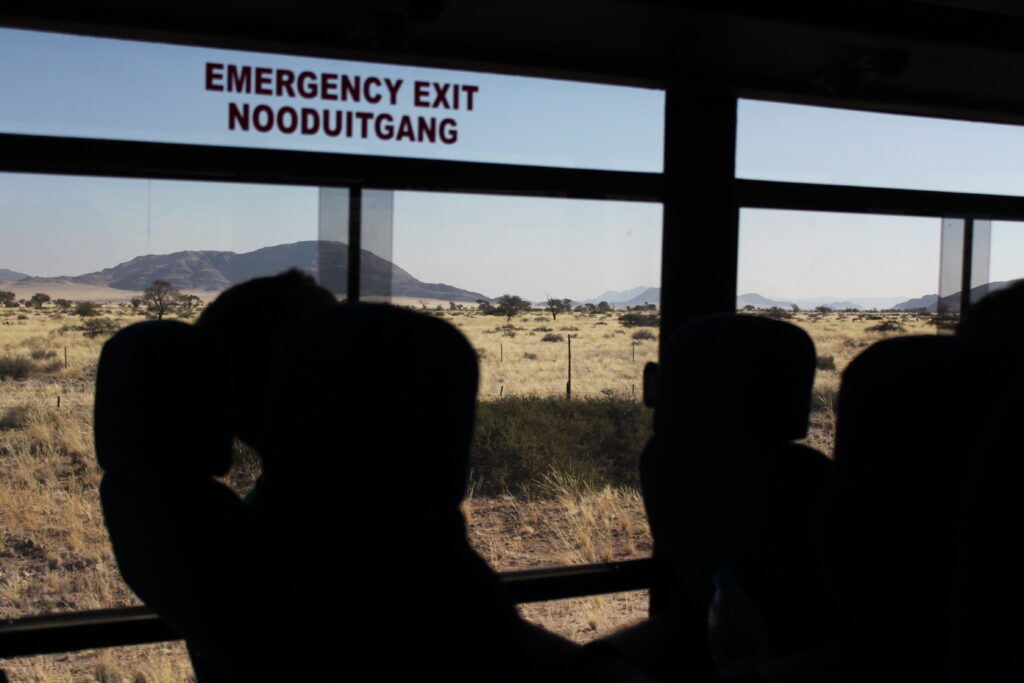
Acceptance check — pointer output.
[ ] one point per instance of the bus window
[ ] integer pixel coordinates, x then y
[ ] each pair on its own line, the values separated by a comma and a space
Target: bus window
847, 279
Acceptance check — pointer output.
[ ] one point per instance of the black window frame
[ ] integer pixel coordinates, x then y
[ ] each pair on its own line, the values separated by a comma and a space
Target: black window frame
698, 189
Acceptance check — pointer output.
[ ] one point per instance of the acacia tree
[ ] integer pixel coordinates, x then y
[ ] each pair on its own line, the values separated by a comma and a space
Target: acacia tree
509, 305
556, 306
7, 299
189, 304
160, 298
38, 299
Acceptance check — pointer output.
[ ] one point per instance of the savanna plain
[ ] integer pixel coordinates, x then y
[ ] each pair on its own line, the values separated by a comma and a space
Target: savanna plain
553, 482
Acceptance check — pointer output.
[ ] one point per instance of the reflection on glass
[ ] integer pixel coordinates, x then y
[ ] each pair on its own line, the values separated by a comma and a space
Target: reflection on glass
1006, 255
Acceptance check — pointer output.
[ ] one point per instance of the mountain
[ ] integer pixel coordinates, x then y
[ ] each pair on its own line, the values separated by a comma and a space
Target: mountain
217, 270
758, 301
927, 302
6, 274
650, 295
951, 303
614, 297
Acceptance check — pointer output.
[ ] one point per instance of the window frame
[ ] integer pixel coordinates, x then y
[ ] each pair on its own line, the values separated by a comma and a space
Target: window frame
698, 189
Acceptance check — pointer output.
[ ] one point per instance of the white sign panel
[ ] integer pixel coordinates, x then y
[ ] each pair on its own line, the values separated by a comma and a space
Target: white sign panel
55, 84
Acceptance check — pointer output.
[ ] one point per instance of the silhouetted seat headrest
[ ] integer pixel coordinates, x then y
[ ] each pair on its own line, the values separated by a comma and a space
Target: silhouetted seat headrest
730, 377
385, 396
917, 406
161, 403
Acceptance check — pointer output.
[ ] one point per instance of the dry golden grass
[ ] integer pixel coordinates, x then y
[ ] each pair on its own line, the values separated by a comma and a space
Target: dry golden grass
54, 553
515, 361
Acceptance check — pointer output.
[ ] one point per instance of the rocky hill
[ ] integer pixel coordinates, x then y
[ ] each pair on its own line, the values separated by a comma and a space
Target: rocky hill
217, 270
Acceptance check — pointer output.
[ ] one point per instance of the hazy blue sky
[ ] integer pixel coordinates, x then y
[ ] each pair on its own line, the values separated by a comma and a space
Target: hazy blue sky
52, 225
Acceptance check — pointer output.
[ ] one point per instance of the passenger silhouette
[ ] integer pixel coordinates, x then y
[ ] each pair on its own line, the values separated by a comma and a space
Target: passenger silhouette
998, 317
913, 415
184, 542
367, 464
170, 397
988, 599
731, 499
253, 319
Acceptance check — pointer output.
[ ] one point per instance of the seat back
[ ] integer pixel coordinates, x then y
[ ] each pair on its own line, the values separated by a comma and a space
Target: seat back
371, 419
912, 414
724, 486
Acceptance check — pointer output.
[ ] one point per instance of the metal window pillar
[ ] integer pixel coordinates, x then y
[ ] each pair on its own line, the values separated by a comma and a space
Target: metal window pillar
700, 240
701, 218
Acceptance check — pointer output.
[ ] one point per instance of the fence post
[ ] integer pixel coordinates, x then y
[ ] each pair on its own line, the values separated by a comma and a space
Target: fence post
568, 380
65, 358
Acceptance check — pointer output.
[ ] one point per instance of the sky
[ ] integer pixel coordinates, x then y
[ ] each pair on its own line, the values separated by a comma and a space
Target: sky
535, 247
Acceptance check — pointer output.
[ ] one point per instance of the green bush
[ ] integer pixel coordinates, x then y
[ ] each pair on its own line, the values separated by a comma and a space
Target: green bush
640, 335
888, 326
520, 439
87, 309
552, 337
639, 319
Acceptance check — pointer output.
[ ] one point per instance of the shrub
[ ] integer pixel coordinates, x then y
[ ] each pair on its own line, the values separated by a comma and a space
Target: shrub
86, 308
42, 354
777, 313
638, 319
14, 417
99, 327
552, 337
519, 439
17, 367
826, 363
544, 329
529, 356
640, 335
888, 326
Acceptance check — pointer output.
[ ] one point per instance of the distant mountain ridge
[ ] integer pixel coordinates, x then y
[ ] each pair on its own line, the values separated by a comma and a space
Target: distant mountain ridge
951, 303
614, 297
217, 270
6, 274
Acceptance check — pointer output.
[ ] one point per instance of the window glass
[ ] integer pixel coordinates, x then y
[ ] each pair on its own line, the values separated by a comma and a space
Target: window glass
847, 279
78, 256
76, 86
799, 143
554, 480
